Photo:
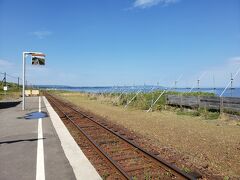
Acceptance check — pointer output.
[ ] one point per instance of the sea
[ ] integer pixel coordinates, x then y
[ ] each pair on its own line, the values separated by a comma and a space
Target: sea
230, 92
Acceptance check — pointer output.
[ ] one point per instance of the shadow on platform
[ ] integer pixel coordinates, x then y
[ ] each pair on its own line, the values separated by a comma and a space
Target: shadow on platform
5, 105
20, 140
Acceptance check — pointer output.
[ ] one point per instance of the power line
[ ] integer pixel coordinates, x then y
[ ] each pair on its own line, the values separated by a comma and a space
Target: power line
4, 81
11, 76
235, 75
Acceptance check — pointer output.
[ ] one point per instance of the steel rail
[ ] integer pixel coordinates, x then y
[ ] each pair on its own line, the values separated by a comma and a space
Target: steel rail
124, 174
149, 154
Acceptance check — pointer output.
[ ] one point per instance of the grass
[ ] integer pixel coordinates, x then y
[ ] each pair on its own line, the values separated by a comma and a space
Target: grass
186, 170
147, 176
105, 175
226, 178
231, 112
143, 101
202, 141
134, 178
207, 114
189, 113
212, 115
13, 91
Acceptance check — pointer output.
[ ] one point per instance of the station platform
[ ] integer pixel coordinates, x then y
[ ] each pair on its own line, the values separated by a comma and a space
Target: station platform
33, 146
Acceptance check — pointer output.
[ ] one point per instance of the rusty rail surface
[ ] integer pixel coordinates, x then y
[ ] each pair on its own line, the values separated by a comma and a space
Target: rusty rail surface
129, 159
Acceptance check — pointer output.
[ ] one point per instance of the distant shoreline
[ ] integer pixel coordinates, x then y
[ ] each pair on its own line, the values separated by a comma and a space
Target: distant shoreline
235, 92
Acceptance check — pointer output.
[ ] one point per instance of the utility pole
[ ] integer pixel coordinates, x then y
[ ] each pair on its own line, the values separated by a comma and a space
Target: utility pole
214, 83
198, 82
231, 84
175, 84
18, 82
5, 79
5, 82
237, 72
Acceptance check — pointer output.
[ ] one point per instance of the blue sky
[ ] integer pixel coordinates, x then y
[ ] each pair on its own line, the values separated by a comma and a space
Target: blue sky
122, 42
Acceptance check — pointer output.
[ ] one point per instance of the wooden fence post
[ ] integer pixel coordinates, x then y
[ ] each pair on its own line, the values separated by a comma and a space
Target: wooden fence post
181, 96
198, 102
221, 105
166, 101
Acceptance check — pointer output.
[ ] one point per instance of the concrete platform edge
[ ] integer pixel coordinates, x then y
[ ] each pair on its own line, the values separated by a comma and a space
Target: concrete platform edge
82, 168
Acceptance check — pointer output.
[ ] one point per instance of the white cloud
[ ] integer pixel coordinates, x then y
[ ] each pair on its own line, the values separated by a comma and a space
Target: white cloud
234, 60
42, 34
149, 3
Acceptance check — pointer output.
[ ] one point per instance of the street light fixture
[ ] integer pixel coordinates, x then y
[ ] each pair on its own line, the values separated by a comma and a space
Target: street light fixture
25, 54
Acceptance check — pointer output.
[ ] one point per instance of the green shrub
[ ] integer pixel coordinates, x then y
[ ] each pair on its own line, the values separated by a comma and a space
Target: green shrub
212, 115
144, 101
93, 98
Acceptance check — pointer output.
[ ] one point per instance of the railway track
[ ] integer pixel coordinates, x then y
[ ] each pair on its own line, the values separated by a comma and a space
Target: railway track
118, 155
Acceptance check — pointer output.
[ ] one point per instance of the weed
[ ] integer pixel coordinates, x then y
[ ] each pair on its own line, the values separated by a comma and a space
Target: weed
145, 100
226, 178
147, 176
105, 175
189, 113
196, 113
167, 174
186, 170
212, 115
93, 98
13, 91
231, 112
134, 178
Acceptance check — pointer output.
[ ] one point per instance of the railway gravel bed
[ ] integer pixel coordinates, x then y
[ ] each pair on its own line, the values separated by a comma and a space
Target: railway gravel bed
113, 152
209, 147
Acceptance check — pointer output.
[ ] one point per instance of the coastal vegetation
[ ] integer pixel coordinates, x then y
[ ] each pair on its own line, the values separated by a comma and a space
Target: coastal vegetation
13, 91
144, 101
196, 137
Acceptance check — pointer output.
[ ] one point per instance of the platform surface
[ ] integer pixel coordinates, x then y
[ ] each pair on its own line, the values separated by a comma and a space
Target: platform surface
21, 155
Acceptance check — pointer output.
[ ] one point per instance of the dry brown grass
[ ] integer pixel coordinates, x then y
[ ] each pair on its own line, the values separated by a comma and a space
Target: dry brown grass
212, 144
10, 95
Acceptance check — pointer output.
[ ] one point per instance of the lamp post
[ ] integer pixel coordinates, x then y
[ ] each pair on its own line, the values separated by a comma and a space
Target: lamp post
25, 54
